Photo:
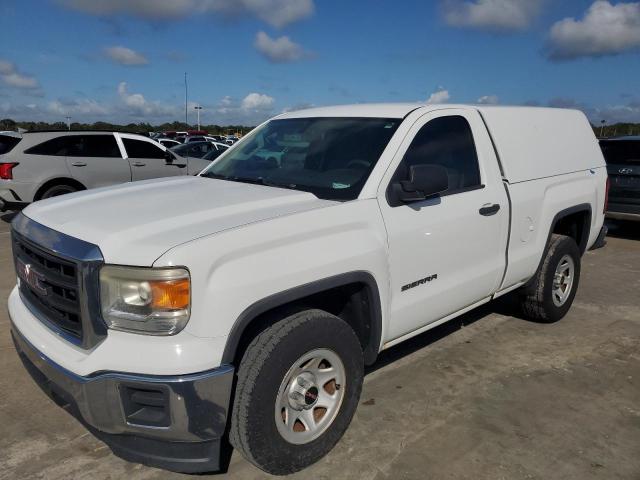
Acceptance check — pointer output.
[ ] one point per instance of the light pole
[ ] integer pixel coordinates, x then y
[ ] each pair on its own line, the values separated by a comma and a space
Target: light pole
68, 123
197, 108
186, 96
602, 127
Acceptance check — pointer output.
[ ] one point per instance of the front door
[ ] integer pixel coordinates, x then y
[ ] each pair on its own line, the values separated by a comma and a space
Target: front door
149, 159
446, 252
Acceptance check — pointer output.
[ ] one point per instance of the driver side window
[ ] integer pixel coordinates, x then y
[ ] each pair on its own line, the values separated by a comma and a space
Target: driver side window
446, 142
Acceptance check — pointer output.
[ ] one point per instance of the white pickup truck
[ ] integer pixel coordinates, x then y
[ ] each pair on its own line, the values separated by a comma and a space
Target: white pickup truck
171, 315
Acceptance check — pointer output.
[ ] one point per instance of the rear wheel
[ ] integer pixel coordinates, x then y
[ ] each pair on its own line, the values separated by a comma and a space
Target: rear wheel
57, 190
551, 292
298, 387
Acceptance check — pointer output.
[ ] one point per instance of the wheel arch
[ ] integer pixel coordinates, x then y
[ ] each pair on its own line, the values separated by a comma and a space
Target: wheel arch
573, 222
57, 181
354, 294
579, 216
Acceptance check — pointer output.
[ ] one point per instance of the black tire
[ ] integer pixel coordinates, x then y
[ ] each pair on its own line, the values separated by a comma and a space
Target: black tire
57, 190
537, 297
265, 364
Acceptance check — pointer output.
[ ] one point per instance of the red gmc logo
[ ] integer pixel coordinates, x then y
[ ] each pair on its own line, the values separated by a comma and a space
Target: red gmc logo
27, 274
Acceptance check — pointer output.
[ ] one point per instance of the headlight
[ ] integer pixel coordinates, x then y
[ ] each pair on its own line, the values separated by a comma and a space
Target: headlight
152, 301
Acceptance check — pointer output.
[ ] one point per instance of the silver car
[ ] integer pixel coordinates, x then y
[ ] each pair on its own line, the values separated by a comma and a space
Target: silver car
39, 165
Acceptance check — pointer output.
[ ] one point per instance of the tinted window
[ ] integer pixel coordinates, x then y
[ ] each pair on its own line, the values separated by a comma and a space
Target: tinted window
447, 142
197, 150
621, 152
78, 146
142, 149
93, 146
213, 154
329, 157
7, 142
55, 146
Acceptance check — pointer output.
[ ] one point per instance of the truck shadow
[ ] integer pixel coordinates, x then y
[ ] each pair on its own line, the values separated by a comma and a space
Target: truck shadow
505, 305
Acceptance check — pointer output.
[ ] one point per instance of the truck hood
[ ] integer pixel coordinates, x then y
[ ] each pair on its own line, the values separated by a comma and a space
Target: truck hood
135, 223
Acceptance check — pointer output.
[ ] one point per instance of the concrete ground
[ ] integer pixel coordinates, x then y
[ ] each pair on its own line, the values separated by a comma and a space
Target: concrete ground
489, 396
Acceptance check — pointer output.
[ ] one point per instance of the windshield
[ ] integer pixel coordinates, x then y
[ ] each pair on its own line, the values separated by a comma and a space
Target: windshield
329, 157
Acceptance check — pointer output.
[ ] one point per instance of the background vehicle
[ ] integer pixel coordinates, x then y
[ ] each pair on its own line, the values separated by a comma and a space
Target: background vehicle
253, 295
168, 142
196, 149
623, 164
213, 154
41, 165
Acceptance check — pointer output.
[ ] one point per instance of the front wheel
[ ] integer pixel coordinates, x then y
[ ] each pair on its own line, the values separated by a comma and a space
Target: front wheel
550, 293
298, 387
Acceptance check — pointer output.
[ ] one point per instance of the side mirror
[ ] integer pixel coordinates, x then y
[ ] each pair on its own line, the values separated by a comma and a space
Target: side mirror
424, 181
168, 156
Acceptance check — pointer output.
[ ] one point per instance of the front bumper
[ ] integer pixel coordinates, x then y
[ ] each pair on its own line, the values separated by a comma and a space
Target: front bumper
172, 422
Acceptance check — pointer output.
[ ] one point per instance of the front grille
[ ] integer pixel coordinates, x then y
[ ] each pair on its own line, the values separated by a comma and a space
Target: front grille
51, 285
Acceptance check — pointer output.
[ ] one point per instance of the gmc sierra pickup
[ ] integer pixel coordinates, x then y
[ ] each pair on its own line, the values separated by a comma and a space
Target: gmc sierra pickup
171, 315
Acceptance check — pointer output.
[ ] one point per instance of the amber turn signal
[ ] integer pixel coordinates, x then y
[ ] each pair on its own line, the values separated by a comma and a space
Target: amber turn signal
170, 294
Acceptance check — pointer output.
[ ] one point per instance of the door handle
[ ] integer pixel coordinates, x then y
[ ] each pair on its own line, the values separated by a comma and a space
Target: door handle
138, 164
489, 209
79, 164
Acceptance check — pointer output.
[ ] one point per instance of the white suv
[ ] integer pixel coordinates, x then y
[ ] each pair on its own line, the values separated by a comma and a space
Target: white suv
40, 165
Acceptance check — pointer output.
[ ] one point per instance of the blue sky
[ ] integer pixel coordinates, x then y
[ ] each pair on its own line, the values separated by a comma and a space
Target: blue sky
124, 60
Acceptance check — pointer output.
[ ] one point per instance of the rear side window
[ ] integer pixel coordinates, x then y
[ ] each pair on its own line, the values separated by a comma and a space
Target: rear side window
621, 152
141, 149
56, 146
447, 142
7, 142
94, 146
104, 146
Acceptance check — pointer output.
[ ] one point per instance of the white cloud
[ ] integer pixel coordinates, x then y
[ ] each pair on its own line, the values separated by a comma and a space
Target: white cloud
278, 50
489, 100
605, 29
129, 106
81, 107
257, 101
506, 15
137, 106
277, 13
11, 77
440, 96
125, 56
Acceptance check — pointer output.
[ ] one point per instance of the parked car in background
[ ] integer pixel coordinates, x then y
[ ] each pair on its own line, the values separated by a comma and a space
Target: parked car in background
41, 165
196, 149
201, 138
168, 142
623, 164
213, 154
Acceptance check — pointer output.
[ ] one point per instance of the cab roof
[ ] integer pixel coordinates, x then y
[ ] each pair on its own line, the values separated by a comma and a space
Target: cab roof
397, 110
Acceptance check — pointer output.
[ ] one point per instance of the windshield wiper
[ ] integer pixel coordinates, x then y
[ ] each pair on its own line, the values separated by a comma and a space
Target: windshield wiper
255, 181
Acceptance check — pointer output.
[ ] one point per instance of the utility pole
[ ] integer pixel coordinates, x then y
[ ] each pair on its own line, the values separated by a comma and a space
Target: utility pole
68, 122
197, 108
186, 117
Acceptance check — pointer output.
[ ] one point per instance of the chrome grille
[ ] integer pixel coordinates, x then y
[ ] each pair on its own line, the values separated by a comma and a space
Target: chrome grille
50, 284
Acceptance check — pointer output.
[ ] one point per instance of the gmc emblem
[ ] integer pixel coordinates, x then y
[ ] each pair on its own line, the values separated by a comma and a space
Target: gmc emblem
31, 277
